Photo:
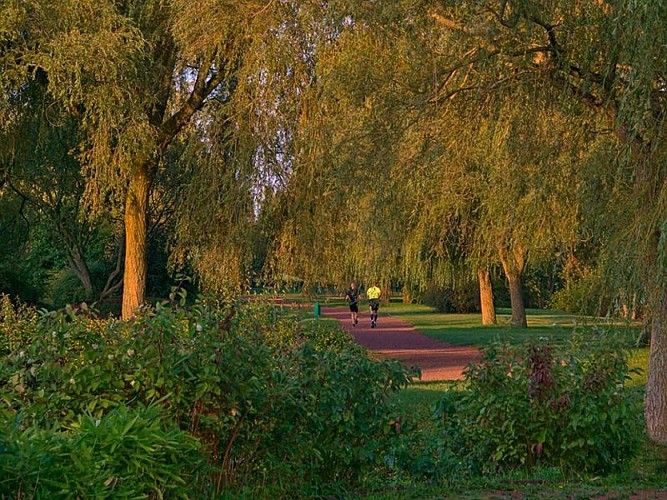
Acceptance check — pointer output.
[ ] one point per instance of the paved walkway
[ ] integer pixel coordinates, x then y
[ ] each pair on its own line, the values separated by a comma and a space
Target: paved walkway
397, 339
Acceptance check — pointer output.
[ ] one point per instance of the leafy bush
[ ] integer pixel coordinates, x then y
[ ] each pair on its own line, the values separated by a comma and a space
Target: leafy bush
270, 398
527, 405
125, 454
461, 299
16, 324
584, 294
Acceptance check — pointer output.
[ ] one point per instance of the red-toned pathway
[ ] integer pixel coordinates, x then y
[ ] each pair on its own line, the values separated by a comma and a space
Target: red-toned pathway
397, 339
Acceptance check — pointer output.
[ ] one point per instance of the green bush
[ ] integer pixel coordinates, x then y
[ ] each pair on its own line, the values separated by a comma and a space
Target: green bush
17, 322
272, 399
584, 294
538, 404
461, 299
125, 454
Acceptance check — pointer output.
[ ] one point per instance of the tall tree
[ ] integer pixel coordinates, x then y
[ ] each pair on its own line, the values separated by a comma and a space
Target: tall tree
611, 57
136, 74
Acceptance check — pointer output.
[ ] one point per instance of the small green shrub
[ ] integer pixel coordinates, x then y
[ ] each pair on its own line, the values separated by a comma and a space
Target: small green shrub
538, 404
17, 322
125, 454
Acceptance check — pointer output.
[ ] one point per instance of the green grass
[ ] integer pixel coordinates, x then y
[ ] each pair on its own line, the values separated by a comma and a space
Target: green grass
467, 329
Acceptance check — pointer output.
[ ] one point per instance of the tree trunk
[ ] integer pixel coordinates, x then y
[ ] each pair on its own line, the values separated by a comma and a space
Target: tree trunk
113, 282
407, 295
80, 268
486, 297
655, 399
75, 257
516, 297
513, 263
136, 215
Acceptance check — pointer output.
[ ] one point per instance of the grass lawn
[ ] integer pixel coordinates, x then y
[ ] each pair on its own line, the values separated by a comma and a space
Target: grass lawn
467, 329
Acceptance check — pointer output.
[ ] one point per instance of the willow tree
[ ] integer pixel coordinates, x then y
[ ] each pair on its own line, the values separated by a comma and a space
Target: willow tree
414, 172
135, 75
611, 57
335, 205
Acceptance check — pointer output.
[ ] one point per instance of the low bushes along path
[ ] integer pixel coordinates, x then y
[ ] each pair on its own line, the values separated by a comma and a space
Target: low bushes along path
399, 340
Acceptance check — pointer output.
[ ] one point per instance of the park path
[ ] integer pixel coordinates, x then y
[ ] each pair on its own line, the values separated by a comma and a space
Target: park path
394, 338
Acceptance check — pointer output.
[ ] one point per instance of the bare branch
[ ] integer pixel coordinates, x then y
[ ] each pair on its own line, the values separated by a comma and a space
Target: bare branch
108, 287
448, 23
201, 90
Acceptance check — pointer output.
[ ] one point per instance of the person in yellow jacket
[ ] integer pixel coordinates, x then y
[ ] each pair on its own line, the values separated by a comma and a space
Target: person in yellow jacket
373, 296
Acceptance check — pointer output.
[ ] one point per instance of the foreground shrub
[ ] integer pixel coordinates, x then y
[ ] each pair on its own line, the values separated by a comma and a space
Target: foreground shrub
272, 400
125, 454
17, 322
541, 404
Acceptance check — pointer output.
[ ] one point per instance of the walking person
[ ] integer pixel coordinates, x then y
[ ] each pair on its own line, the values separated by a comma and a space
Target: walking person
373, 295
352, 296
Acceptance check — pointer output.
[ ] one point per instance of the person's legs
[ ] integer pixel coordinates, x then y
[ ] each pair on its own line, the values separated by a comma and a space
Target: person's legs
374, 304
354, 312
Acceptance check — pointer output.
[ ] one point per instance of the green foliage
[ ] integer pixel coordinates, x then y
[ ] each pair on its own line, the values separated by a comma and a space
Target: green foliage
460, 299
128, 453
16, 282
16, 324
585, 295
534, 405
271, 398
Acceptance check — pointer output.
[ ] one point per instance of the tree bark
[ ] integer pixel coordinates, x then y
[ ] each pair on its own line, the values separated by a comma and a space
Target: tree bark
136, 223
80, 268
407, 295
513, 263
486, 297
113, 282
75, 257
655, 399
516, 297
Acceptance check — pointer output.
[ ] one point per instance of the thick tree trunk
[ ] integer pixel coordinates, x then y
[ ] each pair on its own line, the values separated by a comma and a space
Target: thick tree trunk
486, 297
655, 399
513, 263
516, 297
136, 215
407, 295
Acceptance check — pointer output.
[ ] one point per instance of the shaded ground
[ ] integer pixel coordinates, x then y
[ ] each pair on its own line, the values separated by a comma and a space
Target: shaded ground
397, 339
